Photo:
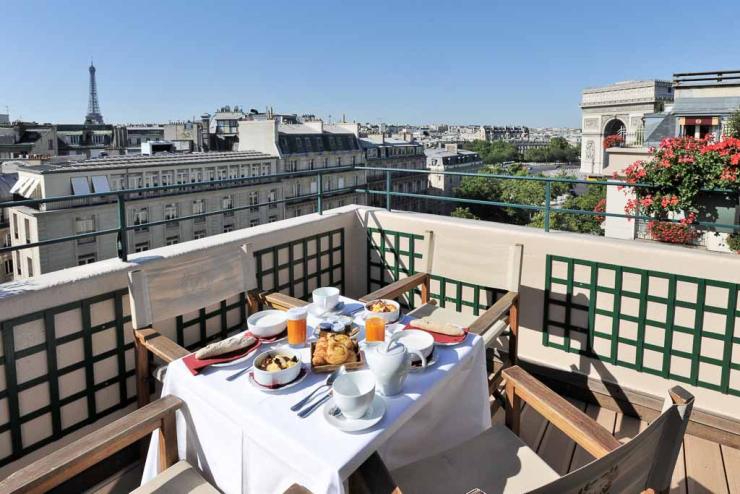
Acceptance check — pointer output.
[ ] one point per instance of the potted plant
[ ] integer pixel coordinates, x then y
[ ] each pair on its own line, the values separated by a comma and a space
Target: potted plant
733, 242
613, 141
678, 174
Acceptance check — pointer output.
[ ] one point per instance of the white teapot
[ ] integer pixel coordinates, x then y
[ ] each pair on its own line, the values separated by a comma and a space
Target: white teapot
390, 363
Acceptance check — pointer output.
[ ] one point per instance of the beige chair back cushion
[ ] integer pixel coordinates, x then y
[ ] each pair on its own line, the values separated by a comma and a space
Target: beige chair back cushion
467, 259
647, 461
186, 283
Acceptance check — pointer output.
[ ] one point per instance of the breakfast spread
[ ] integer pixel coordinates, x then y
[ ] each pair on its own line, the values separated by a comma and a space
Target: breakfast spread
437, 327
225, 347
334, 349
278, 362
380, 306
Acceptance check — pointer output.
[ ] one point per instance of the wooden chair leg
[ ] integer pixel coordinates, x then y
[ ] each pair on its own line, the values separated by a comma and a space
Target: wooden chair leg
168, 454
514, 336
513, 409
425, 290
141, 357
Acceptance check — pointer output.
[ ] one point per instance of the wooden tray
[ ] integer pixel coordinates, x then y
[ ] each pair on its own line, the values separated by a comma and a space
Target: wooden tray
332, 367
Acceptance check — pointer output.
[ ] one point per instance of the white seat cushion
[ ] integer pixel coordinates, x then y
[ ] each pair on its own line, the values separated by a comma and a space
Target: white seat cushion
180, 478
496, 461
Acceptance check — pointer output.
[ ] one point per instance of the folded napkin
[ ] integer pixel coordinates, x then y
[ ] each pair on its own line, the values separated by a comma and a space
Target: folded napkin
437, 327
245, 344
445, 339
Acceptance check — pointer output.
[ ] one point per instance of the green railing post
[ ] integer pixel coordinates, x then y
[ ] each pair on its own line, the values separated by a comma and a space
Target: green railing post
548, 199
122, 233
319, 205
388, 190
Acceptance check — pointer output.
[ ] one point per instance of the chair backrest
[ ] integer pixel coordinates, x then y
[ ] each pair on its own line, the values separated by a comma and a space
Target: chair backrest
186, 283
467, 259
647, 461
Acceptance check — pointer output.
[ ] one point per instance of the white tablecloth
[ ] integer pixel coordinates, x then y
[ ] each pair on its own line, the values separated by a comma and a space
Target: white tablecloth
247, 441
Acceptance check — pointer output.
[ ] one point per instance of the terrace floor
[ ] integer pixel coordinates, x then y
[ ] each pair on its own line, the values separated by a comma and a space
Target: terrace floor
702, 466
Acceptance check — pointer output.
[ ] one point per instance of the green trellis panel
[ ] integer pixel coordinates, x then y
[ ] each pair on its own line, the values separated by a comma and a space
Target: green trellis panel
386, 244
629, 350
51, 379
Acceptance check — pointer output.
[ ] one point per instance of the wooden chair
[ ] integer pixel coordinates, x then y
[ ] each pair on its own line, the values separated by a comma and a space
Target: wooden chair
498, 461
177, 288
169, 289
175, 477
503, 271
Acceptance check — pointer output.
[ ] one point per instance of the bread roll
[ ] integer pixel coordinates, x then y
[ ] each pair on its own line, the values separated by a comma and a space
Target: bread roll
436, 327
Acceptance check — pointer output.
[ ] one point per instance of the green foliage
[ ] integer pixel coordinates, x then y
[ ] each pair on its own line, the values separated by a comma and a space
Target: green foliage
580, 223
526, 192
557, 150
733, 242
461, 212
494, 152
733, 124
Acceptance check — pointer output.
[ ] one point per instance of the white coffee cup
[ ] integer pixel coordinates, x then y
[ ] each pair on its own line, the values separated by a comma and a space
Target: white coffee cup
326, 298
354, 393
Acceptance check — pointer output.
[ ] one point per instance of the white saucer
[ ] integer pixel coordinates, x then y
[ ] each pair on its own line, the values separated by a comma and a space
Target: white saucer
301, 377
431, 360
318, 311
373, 415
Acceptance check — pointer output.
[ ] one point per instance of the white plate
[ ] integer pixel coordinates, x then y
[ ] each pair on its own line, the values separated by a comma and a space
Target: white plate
318, 311
301, 377
374, 414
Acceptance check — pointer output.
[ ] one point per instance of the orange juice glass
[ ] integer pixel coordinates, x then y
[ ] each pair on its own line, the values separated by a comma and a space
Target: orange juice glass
297, 327
375, 329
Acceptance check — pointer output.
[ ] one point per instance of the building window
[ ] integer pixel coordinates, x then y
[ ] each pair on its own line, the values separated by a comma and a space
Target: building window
29, 265
227, 203
228, 228
272, 219
354, 159
6, 240
167, 178
141, 217
199, 207
291, 166
85, 225
18, 263
265, 169
141, 246
340, 183
254, 222
27, 224
9, 266
199, 234
326, 162
16, 229
170, 211
311, 164
271, 198
253, 201
298, 212
86, 259
172, 240
339, 161
255, 170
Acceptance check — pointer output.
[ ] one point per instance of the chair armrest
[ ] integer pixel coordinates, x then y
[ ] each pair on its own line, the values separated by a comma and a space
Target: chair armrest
494, 313
159, 345
280, 301
585, 431
65, 463
398, 287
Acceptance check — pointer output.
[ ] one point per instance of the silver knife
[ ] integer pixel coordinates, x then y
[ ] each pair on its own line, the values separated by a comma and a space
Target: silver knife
310, 409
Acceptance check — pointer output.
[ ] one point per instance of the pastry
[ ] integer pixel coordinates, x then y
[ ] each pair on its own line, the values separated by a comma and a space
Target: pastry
229, 345
334, 349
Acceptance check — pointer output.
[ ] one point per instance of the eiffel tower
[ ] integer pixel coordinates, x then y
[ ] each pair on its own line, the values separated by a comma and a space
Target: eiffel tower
93, 107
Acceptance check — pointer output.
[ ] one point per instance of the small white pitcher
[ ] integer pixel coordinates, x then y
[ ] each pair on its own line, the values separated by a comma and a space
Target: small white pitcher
390, 363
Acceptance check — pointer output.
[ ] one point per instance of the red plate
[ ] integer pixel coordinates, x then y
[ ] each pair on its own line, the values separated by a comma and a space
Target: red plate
439, 338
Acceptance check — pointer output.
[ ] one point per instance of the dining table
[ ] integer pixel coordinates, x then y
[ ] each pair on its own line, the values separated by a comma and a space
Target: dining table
246, 440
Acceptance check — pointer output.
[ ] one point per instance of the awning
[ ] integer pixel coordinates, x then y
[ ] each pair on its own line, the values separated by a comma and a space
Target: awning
699, 121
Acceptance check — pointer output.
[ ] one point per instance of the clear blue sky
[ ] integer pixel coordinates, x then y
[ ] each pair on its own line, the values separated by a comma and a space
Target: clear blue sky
400, 61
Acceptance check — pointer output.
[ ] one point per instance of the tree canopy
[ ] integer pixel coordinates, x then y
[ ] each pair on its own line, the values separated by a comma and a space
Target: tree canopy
495, 152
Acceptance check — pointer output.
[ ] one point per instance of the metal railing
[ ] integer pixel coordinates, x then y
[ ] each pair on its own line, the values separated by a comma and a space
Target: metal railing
545, 207
120, 197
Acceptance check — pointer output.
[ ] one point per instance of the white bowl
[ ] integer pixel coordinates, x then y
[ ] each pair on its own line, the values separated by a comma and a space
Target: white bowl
389, 317
421, 341
267, 323
354, 392
277, 378
325, 298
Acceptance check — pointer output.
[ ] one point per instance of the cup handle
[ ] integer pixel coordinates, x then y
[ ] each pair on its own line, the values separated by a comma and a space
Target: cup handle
421, 356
